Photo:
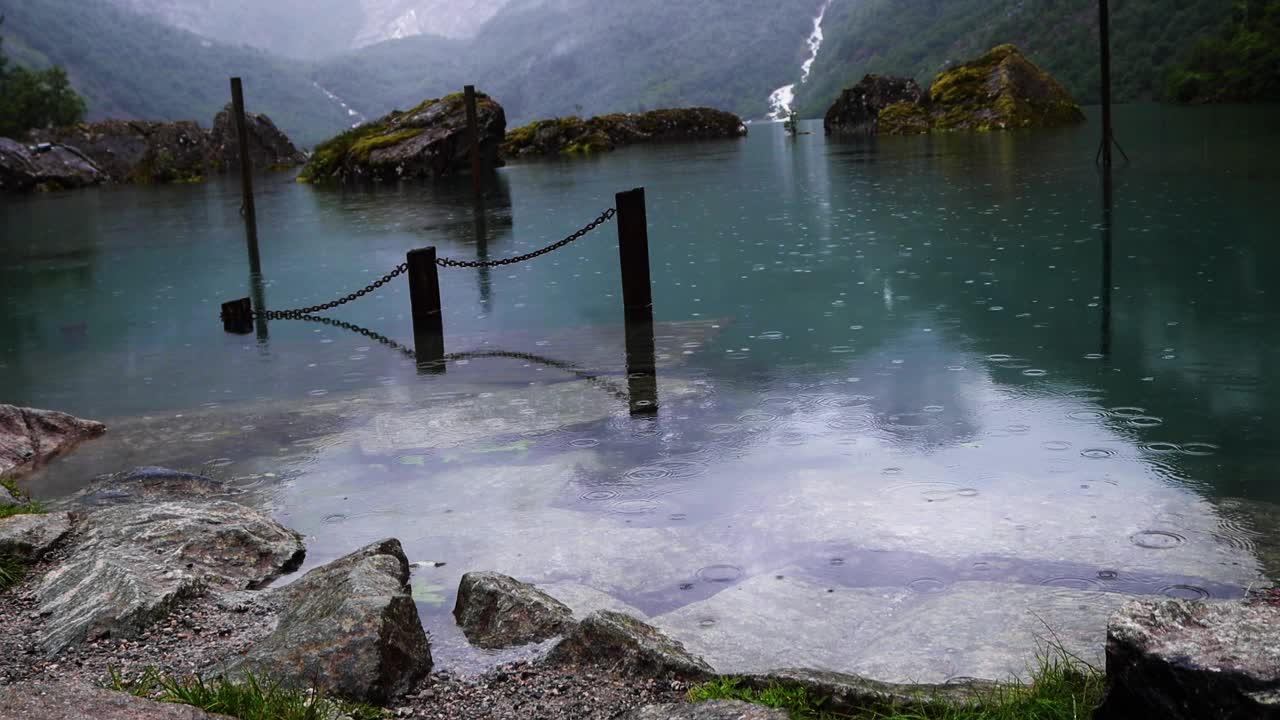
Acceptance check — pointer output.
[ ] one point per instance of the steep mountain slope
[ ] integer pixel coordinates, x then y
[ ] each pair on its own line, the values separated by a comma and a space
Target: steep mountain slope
127, 66
918, 38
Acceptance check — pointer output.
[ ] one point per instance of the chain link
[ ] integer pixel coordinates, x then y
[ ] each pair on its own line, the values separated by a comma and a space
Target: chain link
605, 216
298, 313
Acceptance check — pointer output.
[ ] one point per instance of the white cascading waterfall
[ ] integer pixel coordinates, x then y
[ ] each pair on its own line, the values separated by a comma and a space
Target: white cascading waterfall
357, 117
781, 100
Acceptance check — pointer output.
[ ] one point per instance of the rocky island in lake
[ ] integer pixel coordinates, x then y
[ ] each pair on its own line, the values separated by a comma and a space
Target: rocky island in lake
574, 136
1001, 90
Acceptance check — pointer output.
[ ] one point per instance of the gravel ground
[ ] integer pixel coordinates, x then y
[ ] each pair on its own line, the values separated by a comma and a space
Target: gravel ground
201, 632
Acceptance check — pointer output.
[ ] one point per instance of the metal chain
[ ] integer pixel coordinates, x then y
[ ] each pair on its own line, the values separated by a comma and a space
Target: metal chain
298, 313
604, 217
376, 337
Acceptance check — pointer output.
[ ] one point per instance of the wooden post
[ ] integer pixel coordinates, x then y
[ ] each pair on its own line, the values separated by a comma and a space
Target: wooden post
237, 316
1107, 220
424, 297
637, 301
1104, 37
246, 166
473, 136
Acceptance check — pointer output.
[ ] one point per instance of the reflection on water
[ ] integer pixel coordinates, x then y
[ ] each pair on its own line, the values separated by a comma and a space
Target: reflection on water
907, 378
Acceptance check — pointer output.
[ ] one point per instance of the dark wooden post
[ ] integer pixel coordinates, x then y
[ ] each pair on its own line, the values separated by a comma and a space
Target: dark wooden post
1107, 221
1104, 37
473, 136
637, 301
424, 297
237, 316
246, 166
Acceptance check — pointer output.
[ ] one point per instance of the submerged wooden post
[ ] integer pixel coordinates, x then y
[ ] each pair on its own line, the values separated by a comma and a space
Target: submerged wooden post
246, 166
637, 301
1104, 38
237, 316
1108, 216
473, 136
424, 297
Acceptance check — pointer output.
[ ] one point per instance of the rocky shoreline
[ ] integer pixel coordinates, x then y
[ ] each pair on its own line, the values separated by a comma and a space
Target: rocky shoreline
574, 136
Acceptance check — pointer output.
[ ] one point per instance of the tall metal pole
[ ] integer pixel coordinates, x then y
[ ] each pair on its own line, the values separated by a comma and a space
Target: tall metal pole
1104, 36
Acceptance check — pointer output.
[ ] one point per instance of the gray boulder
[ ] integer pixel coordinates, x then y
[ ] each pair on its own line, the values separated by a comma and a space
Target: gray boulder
269, 147
140, 152
428, 142
130, 564
623, 644
76, 701
17, 171
50, 167
497, 611
1183, 660
845, 693
145, 485
714, 710
858, 108
350, 626
29, 537
31, 437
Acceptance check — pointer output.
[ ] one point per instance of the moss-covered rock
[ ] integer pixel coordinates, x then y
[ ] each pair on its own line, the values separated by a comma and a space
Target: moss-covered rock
429, 141
1001, 90
574, 136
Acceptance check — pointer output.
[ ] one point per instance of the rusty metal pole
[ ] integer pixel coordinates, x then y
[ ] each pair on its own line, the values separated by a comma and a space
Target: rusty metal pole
637, 301
1104, 37
424, 299
473, 136
246, 166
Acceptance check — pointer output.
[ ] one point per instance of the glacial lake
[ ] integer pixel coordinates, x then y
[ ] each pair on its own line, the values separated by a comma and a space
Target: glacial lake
903, 430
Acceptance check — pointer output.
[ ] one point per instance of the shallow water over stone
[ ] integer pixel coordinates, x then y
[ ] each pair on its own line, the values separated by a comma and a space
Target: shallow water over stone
891, 426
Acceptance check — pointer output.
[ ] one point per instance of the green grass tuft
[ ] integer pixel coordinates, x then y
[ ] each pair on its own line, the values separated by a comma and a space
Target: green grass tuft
252, 699
1062, 688
12, 570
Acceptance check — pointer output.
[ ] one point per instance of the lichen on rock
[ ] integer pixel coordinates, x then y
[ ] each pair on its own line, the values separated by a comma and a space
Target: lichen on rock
574, 136
427, 142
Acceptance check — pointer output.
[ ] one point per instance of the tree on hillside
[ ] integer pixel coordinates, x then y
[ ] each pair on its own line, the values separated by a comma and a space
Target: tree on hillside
35, 98
1239, 64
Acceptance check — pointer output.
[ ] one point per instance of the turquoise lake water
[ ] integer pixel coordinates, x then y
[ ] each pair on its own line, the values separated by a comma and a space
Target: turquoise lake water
883, 365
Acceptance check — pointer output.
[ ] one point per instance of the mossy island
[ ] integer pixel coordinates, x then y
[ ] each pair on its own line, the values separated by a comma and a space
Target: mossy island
1001, 90
574, 136
428, 141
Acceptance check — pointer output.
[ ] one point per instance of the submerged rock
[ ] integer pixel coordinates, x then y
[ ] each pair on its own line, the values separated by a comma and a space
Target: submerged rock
145, 485
351, 626
575, 136
140, 152
626, 645
47, 167
845, 693
1181, 660
130, 564
269, 147
859, 107
78, 701
29, 537
1001, 90
30, 437
714, 710
430, 141
497, 611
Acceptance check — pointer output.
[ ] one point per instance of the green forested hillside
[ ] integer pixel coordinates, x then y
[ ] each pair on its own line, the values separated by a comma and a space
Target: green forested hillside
129, 67
917, 38
1240, 62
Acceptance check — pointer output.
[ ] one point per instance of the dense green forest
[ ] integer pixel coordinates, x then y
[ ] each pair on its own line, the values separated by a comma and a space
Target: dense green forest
1239, 63
917, 38
35, 98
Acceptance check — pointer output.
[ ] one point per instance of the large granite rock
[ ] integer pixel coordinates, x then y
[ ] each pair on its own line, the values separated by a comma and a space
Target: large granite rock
429, 141
714, 710
1001, 90
78, 701
575, 136
46, 167
130, 564
350, 626
621, 643
858, 108
1183, 660
29, 537
498, 611
30, 437
269, 147
145, 485
136, 151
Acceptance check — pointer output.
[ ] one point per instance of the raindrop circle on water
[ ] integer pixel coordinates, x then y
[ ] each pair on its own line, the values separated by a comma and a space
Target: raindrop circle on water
1128, 412
720, 573
1157, 539
584, 442
1057, 445
647, 473
1074, 583
1098, 453
599, 495
927, 585
1161, 447
1108, 574
1088, 415
1199, 449
1145, 421
334, 518
634, 506
1035, 372
1185, 592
